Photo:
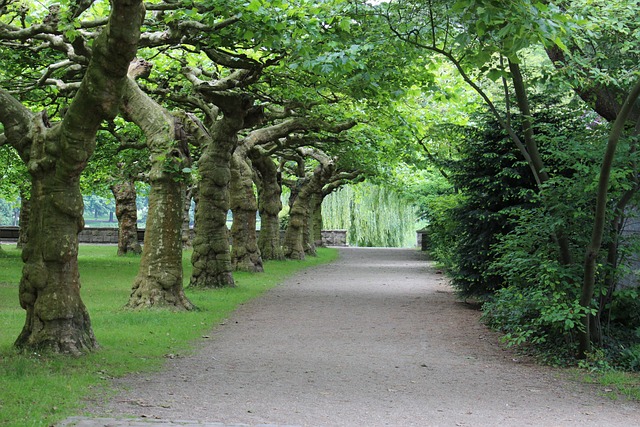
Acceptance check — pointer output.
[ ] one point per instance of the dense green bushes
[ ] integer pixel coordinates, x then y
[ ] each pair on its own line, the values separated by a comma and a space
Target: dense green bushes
498, 235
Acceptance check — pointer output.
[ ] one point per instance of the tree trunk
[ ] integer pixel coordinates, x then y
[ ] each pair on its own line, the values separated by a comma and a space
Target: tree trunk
127, 214
56, 317
25, 210
591, 255
245, 255
293, 245
159, 279
316, 215
269, 206
211, 257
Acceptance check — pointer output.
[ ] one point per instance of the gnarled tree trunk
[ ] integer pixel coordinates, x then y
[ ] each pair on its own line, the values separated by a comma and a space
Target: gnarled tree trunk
25, 209
245, 255
211, 257
293, 244
269, 206
316, 219
159, 279
56, 318
127, 214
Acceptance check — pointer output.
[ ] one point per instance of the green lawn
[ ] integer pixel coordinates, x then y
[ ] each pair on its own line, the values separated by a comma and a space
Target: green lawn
40, 390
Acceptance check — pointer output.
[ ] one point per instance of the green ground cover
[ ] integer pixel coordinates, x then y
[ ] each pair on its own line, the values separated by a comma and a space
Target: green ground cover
40, 390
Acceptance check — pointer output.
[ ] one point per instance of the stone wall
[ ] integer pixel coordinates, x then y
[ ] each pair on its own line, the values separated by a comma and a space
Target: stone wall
334, 237
110, 236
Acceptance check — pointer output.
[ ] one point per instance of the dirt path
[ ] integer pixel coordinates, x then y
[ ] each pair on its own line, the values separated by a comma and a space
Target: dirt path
374, 339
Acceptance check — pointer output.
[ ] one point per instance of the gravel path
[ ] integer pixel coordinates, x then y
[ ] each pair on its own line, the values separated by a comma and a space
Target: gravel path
373, 339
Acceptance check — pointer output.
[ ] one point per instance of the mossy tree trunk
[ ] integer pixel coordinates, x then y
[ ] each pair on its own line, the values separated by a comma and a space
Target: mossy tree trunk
25, 209
269, 206
211, 257
299, 235
293, 242
159, 279
245, 255
316, 219
124, 194
56, 317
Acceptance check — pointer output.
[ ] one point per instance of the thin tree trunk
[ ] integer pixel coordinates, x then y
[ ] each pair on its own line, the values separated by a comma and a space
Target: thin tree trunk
610, 278
245, 255
593, 249
127, 214
532, 148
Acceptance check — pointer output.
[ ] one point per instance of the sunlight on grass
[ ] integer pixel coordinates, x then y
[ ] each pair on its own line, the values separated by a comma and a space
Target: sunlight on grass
40, 390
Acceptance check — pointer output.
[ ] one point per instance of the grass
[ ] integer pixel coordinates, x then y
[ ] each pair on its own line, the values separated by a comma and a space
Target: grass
614, 384
41, 390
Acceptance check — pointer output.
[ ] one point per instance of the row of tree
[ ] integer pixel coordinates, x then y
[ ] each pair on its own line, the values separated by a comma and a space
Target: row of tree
228, 98
225, 96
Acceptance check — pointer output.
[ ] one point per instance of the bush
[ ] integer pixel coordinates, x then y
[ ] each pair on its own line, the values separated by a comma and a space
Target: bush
548, 317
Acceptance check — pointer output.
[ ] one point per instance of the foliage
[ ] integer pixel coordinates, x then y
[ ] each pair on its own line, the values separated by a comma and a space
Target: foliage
493, 182
132, 341
541, 303
372, 215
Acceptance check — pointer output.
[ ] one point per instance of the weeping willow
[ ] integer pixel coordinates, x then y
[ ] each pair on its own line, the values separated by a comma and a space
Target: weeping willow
372, 216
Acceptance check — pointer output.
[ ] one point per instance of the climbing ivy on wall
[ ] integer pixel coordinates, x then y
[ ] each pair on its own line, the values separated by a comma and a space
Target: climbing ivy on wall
372, 215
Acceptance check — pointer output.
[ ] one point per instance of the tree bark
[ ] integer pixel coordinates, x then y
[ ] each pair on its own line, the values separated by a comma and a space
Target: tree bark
56, 318
245, 255
316, 215
127, 214
269, 206
211, 257
298, 239
293, 244
160, 277
25, 209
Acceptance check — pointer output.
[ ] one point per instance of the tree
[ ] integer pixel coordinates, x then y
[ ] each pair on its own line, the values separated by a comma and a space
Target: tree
127, 213
56, 154
490, 39
211, 258
268, 183
159, 279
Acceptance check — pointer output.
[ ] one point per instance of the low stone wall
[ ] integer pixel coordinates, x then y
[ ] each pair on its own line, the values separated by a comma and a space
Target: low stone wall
334, 237
99, 235
110, 236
